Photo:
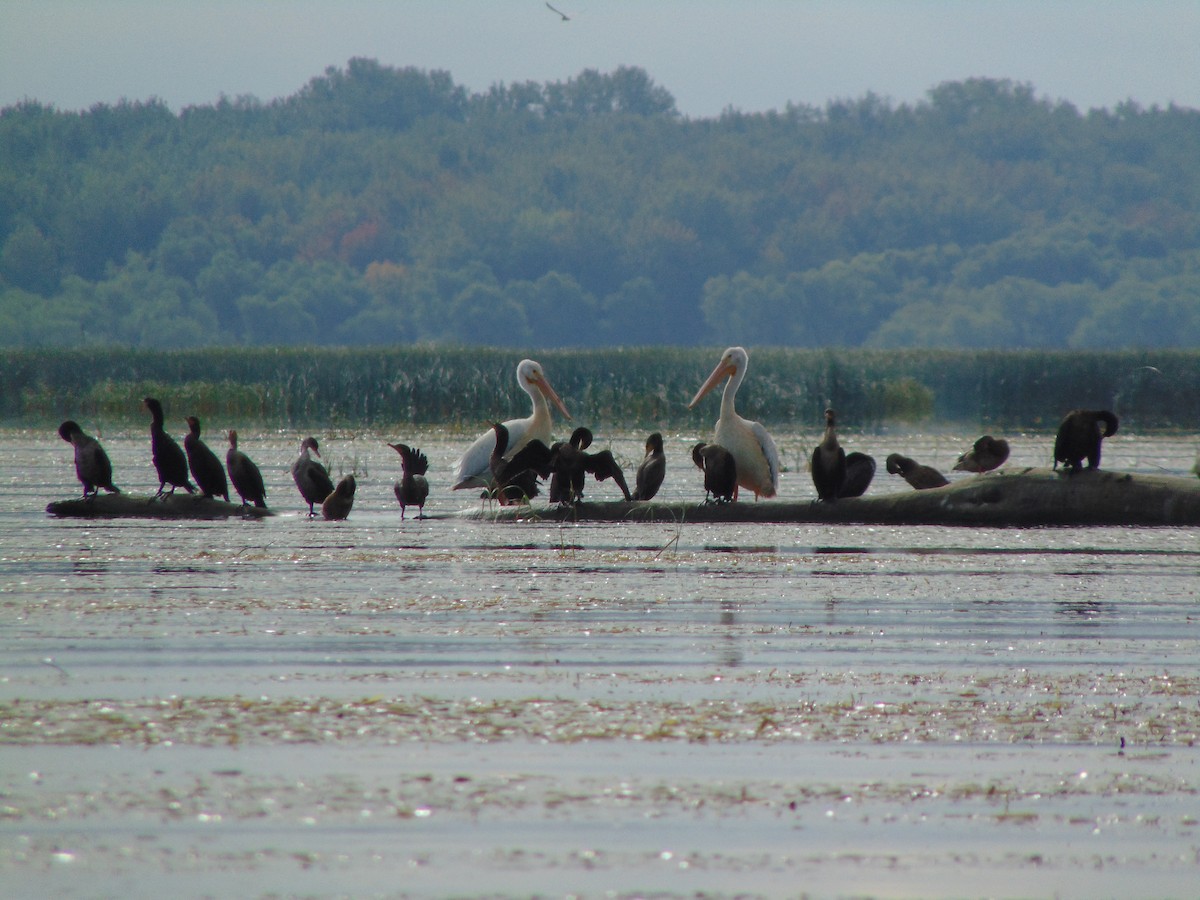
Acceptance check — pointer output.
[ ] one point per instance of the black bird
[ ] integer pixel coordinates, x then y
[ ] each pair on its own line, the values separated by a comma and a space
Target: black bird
1079, 437
570, 465
337, 505
920, 477
720, 472
860, 469
206, 468
92, 466
312, 479
565, 17
987, 453
412, 489
516, 478
652, 471
829, 461
247, 479
169, 460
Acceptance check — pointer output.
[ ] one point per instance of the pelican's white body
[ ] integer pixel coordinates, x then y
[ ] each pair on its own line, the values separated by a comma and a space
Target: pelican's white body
752, 447
474, 468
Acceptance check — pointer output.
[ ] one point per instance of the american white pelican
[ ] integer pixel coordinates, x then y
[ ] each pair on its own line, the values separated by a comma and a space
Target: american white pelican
752, 448
473, 468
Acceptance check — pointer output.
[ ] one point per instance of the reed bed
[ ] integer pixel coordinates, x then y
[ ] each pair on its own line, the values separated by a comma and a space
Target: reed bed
641, 387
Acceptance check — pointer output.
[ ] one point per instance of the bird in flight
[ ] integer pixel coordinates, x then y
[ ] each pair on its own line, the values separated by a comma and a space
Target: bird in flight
565, 17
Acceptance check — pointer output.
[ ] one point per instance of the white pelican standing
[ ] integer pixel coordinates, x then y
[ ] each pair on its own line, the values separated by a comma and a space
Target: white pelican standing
473, 468
752, 448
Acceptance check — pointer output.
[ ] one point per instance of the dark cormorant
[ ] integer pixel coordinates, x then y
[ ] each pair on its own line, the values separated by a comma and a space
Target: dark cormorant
570, 465
652, 471
829, 461
312, 479
516, 478
339, 502
206, 468
920, 477
169, 459
412, 489
92, 466
860, 469
1079, 437
988, 453
720, 472
247, 479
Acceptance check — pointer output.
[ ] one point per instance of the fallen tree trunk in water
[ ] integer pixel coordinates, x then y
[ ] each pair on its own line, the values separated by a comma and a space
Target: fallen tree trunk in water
147, 506
1017, 497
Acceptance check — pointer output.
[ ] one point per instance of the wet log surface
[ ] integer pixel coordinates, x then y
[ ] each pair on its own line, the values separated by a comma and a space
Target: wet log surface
146, 506
1009, 497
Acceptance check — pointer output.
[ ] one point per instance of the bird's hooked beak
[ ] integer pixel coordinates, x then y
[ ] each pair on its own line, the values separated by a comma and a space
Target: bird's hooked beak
539, 381
723, 370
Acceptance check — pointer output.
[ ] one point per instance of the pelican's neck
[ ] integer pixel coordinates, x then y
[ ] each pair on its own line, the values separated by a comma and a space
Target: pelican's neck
730, 392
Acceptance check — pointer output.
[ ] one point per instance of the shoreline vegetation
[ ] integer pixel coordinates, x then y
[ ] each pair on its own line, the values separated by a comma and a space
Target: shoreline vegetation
638, 387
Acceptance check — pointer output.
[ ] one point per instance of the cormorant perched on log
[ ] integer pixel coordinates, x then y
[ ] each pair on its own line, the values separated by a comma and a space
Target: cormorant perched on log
652, 471
247, 479
1079, 437
920, 477
860, 469
829, 461
206, 468
988, 453
92, 466
312, 479
720, 472
516, 479
412, 489
169, 460
339, 502
570, 465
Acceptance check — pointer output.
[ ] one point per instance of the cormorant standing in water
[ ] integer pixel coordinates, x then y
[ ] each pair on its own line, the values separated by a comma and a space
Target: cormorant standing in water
92, 466
206, 468
860, 469
1079, 437
412, 489
337, 505
169, 460
920, 477
720, 472
516, 478
247, 479
570, 465
988, 453
829, 461
312, 478
652, 471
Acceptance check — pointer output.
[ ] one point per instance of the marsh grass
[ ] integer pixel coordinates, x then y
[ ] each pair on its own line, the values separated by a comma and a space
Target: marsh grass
633, 388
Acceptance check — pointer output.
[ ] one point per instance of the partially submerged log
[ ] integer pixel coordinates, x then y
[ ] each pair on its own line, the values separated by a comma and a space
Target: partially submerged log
1009, 497
147, 506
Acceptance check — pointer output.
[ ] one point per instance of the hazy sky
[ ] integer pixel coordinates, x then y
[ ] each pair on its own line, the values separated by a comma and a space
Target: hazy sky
710, 54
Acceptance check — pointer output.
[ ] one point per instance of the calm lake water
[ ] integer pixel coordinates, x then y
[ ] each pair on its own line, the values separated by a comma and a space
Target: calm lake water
458, 706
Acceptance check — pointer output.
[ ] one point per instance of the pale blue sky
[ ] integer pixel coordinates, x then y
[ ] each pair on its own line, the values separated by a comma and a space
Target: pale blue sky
710, 54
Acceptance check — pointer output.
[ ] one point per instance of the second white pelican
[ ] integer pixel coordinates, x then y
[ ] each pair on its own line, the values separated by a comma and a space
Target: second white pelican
473, 468
752, 448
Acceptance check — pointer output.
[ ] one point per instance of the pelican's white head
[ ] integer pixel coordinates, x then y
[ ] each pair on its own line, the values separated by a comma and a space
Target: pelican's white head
732, 365
531, 378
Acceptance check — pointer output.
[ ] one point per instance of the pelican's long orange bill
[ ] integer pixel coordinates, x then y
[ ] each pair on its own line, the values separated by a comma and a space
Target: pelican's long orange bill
548, 392
723, 370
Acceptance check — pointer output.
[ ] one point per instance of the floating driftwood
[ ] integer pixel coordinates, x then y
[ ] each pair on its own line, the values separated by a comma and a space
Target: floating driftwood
1026, 497
146, 506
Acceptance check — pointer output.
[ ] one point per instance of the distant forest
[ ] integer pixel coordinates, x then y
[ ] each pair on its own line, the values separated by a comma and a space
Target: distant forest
391, 206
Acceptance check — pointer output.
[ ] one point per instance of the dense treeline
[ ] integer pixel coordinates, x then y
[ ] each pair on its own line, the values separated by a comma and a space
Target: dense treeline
469, 387
390, 206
